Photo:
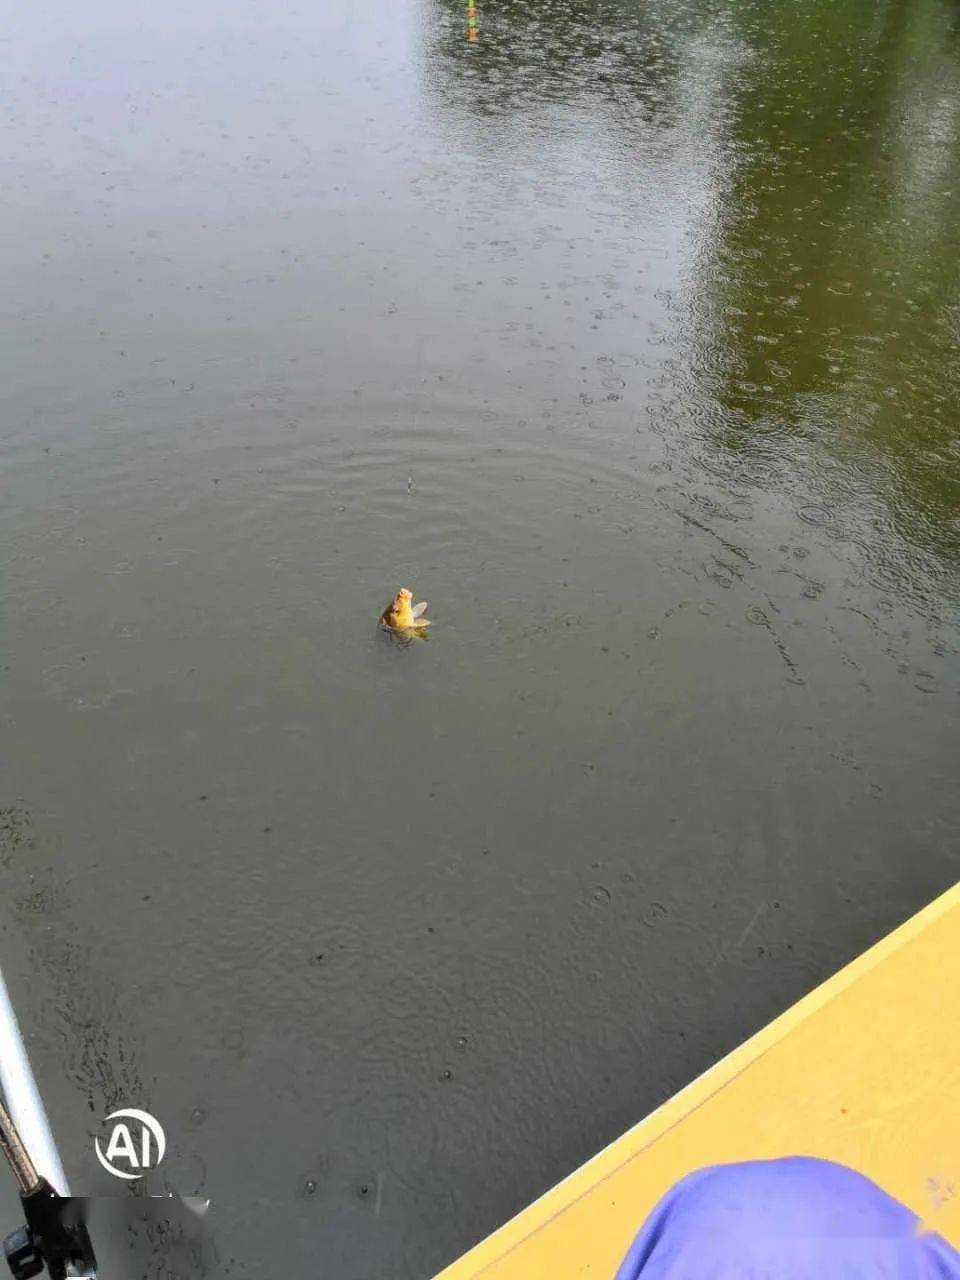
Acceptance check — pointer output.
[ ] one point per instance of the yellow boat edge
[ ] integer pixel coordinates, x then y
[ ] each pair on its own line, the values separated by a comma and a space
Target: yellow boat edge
893, 996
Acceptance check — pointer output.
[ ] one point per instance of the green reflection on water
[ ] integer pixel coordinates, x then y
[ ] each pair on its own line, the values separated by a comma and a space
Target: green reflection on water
831, 303
819, 323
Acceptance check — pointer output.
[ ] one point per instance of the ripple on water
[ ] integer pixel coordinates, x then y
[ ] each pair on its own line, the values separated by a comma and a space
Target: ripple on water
814, 513
438, 486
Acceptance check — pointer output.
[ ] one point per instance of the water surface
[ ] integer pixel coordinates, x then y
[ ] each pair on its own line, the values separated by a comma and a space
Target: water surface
627, 336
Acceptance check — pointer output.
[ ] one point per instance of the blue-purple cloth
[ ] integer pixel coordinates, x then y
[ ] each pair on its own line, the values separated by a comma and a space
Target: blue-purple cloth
791, 1219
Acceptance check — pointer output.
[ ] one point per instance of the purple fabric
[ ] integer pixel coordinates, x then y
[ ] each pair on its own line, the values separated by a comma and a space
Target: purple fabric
792, 1219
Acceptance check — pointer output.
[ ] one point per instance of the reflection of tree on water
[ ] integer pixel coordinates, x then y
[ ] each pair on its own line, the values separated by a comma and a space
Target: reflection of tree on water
542, 51
826, 292
827, 310
819, 172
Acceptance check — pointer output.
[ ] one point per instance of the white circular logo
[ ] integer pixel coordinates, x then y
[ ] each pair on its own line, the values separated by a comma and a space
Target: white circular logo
139, 1147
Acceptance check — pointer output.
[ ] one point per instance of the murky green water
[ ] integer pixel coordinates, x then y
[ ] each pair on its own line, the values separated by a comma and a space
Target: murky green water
627, 336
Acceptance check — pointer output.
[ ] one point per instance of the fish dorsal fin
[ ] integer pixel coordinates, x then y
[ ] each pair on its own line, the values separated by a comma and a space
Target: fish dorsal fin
420, 609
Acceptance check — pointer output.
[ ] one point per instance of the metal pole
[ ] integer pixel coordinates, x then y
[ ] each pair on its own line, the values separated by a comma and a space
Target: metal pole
20, 1162
25, 1104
